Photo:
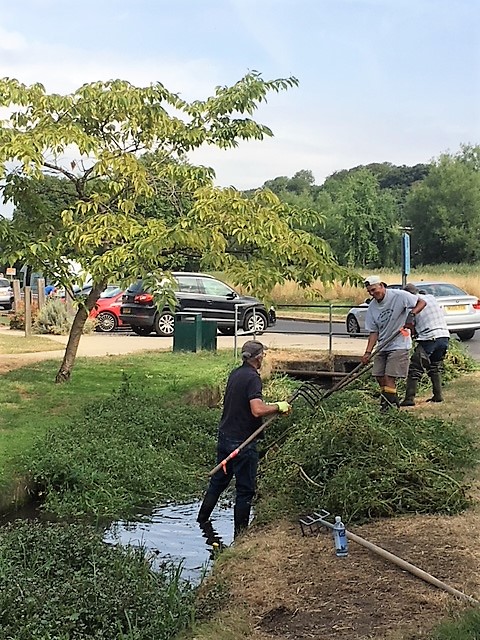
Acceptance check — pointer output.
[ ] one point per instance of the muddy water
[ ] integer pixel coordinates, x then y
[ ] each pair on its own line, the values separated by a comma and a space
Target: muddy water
171, 533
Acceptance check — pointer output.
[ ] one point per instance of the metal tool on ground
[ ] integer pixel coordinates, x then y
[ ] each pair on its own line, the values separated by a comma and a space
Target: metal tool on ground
312, 524
312, 396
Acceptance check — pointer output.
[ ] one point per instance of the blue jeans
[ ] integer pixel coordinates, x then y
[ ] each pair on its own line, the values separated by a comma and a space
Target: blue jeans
243, 466
428, 356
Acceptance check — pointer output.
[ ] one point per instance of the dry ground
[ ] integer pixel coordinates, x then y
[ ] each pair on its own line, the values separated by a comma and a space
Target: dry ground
293, 587
284, 586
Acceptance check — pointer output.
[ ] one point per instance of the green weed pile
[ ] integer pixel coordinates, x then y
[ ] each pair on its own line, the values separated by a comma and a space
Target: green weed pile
353, 460
124, 452
63, 581
457, 361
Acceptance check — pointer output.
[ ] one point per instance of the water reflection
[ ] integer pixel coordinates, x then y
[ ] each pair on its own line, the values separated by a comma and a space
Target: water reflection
171, 533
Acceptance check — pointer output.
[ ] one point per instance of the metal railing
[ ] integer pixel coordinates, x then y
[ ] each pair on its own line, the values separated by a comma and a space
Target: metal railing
329, 322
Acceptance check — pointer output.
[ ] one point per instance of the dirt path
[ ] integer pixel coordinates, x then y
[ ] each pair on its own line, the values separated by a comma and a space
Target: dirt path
101, 345
294, 588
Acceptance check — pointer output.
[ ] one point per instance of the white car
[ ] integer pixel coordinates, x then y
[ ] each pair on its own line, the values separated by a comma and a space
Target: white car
462, 311
6, 294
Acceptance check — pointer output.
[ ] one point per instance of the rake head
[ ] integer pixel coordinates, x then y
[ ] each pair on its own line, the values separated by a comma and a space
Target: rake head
310, 393
312, 524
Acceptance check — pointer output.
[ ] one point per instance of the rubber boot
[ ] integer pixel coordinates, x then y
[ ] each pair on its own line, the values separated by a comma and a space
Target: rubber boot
241, 516
388, 399
211, 535
410, 393
436, 378
207, 507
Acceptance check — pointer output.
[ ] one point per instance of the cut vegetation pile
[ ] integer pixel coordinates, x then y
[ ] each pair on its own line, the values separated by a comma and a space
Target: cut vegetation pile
350, 459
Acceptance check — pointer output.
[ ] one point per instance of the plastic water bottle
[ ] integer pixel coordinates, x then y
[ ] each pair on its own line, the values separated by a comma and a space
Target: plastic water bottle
340, 538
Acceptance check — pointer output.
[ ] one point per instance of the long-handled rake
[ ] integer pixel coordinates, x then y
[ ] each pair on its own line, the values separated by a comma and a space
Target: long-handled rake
312, 395
312, 523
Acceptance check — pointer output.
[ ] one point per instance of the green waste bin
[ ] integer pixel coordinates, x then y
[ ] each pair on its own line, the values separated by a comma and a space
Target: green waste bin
187, 335
209, 335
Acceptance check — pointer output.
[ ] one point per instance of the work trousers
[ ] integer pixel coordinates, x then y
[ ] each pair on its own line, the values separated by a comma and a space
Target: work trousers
428, 356
243, 466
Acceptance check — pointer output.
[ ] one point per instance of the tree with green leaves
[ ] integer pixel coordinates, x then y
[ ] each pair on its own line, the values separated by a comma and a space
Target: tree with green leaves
444, 210
121, 147
361, 222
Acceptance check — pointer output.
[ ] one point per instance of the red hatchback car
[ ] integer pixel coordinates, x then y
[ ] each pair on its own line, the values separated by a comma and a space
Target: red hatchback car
107, 310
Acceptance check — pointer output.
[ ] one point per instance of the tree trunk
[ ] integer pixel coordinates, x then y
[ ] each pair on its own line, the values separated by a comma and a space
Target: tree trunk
76, 331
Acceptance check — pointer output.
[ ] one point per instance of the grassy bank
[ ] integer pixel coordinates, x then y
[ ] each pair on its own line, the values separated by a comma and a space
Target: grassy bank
31, 403
63, 581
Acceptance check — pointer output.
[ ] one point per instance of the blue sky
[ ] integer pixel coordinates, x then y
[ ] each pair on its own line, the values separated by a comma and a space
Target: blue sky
380, 80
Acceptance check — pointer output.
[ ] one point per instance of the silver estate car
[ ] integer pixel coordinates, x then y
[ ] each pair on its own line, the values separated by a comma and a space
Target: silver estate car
6, 294
462, 311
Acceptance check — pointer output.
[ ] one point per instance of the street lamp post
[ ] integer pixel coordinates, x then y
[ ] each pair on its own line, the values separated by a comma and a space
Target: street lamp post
405, 253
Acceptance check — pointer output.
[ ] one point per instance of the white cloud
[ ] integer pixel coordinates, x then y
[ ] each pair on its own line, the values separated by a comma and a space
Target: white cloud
11, 40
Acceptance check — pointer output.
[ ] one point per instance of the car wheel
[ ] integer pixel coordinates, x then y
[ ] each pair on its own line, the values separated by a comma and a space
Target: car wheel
466, 335
7, 307
227, 331
255, 323
141, 331
106, 322
352, 325
164, 324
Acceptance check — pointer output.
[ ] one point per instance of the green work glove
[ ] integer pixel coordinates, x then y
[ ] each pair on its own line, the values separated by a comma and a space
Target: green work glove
283, 406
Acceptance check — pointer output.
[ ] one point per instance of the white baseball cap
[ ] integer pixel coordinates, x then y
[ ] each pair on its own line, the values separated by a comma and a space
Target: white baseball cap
372, 280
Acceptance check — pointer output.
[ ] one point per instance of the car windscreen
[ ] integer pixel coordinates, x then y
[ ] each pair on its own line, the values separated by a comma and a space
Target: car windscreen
4, 283
441, 289
111, 292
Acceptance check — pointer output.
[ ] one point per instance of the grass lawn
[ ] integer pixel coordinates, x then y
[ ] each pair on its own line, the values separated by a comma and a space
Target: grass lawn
31, 401
13, 344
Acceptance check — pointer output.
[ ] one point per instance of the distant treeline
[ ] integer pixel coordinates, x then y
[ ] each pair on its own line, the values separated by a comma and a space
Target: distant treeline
361, 211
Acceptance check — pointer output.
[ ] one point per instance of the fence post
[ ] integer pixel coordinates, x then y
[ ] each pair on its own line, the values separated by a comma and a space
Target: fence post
69, 300
28, 310
41, 292
330, 329
235, 333
17, 296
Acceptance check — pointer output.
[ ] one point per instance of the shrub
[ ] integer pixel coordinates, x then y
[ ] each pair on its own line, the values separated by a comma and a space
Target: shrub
63, 581
53, 318
17, 318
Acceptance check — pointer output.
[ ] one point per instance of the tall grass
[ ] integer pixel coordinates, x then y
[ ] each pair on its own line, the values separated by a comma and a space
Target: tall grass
465, 276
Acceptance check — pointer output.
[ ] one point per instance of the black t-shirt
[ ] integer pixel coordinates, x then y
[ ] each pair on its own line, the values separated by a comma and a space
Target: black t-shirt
244, 384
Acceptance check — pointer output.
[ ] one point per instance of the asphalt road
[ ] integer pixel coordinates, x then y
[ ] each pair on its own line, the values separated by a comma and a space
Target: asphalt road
302, 327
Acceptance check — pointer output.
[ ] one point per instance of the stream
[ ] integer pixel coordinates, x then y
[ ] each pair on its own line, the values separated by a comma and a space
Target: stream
168, 533
171, 533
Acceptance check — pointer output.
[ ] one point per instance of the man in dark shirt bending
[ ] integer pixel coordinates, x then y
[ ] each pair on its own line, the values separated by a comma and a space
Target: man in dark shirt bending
243, 410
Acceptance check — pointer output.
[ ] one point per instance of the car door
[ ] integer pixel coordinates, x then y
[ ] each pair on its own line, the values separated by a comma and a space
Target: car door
219, 301
190, 294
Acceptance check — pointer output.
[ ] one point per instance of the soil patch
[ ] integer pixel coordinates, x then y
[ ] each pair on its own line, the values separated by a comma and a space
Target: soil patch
294, 587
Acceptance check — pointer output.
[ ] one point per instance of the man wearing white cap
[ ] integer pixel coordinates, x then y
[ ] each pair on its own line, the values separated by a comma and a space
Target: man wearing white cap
389, 312
243, 410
